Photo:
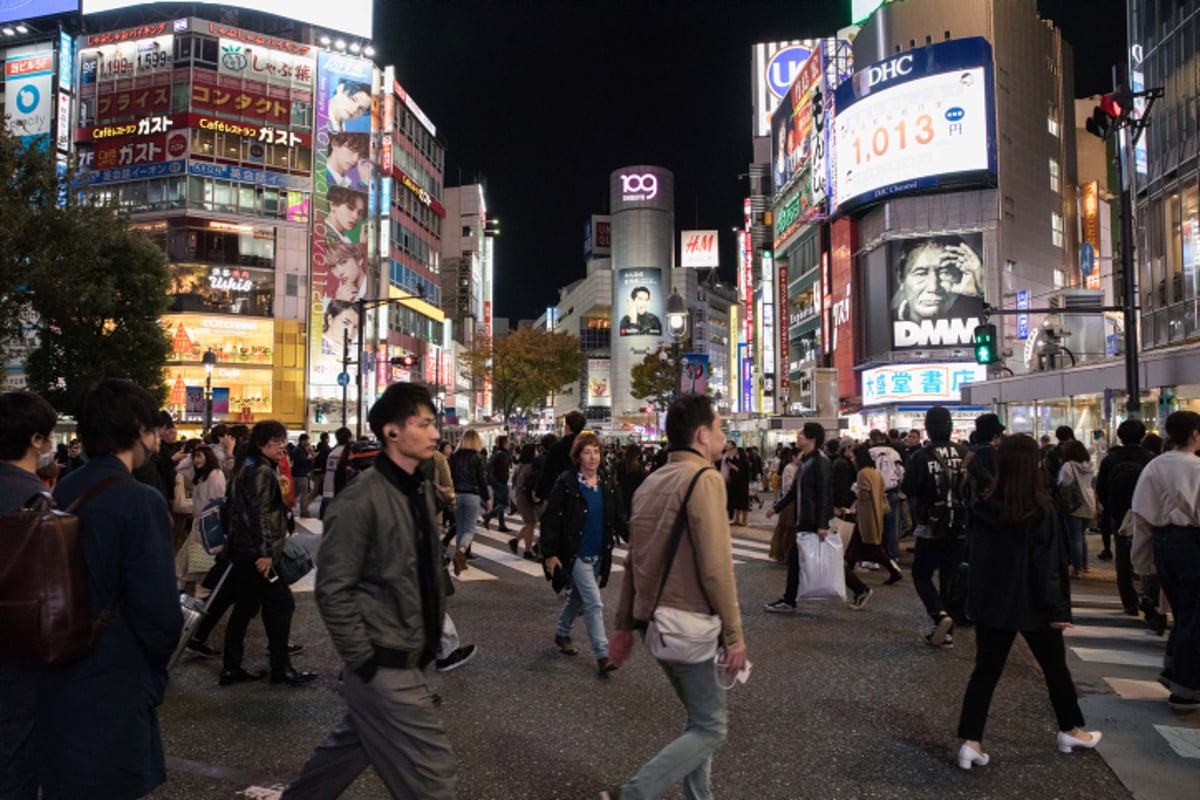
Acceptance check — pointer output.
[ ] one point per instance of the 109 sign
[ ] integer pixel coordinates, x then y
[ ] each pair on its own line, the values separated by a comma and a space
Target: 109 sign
639, 187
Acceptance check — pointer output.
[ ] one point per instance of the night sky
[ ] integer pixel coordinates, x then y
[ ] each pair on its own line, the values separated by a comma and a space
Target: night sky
542, 99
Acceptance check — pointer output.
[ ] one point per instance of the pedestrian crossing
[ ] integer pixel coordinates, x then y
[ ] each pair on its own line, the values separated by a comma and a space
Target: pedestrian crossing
1127, 657
494, 560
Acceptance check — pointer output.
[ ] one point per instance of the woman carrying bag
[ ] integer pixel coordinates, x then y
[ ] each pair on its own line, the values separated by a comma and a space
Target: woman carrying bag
866, 544
471, 496
1077, 501
579, 529
785, 526
1018, 584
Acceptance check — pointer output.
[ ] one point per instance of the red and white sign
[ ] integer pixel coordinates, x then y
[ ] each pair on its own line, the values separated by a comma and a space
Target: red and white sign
698, 249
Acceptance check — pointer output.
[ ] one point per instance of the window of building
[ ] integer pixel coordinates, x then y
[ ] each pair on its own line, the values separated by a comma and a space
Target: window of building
1056, 229
1052, 124
1054, 175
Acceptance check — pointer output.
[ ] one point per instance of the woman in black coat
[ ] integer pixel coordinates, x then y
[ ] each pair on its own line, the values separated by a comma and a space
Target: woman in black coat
579, 529
1018, 583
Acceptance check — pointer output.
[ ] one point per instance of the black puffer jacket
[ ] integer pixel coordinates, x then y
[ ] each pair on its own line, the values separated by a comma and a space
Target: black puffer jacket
1018, 570
466, 469
257, 513
562, 524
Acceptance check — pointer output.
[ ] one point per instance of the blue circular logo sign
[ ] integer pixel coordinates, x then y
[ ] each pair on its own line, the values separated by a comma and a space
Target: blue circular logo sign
28, 98
784, 66
343, 379
955, 114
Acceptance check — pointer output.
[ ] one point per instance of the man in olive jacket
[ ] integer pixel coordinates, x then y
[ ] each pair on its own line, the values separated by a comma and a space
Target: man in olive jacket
700, 579
379, 589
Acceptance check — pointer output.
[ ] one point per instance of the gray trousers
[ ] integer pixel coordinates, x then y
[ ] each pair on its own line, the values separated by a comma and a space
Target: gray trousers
392, 725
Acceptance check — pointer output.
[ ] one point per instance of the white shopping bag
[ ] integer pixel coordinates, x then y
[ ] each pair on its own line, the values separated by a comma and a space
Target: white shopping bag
822, 573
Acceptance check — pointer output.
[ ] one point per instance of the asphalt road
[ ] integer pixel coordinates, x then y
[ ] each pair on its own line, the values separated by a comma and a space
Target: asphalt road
840, 704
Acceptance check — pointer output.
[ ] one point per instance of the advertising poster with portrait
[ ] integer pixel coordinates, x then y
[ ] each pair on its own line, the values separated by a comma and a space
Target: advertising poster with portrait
599, 389
937, 290
342, 176
639, 299
695, 373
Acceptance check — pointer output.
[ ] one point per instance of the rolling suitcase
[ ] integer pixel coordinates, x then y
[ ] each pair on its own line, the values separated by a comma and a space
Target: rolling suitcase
193, 611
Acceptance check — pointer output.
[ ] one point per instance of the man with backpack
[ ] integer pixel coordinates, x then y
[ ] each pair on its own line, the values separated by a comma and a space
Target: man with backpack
933, 479
891, 466
1119, 473
980, 463
26, 441
499, 468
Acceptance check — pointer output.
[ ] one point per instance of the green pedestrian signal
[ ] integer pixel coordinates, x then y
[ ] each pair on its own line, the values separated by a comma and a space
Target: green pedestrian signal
985, 344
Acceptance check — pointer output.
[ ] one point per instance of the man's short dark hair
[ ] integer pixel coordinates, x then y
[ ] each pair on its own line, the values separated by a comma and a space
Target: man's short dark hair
548, 441
814, 431
633, 295
266, 431
241, 433
576, 421
1130, 432
687, 415
217, 433
114, 414
877, 436
399, 402
23, 415
360, 143
343, 435
324, 437
1064, 433
353, 87
501, 441
165, 420
302, 438
344, 196
1181, 425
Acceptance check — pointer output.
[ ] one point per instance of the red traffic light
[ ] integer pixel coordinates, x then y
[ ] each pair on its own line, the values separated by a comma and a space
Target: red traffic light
1110, 106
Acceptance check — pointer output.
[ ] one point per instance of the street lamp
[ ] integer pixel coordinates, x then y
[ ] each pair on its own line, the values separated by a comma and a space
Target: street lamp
677, 315
209, 359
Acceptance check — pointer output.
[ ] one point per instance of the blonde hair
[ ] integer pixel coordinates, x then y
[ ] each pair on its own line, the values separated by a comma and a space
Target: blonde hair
471, 440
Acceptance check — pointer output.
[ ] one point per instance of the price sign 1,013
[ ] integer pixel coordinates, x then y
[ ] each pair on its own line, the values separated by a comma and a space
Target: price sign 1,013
899, 136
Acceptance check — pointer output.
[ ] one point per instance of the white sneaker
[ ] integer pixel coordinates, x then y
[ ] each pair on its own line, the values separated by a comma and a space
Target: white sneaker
968, 756
1067, 742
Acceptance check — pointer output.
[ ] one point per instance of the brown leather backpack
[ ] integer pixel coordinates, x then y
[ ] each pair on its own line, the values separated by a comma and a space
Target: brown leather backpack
44, 614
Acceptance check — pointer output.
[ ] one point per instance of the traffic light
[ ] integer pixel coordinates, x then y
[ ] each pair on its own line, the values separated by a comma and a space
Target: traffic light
1107, 116
985, 344
406, 360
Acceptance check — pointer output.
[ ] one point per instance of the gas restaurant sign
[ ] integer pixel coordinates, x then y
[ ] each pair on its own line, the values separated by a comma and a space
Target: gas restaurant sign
788, 219
639, 187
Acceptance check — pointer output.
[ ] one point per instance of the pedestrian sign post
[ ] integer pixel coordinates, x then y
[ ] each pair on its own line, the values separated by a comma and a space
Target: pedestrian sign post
343, 379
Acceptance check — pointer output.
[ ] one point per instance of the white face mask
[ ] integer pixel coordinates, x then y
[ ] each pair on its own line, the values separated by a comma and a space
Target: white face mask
45, 459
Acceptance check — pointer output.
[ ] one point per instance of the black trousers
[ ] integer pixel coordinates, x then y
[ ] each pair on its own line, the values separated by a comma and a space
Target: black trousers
991, 651
218, 604
1123, 557
251, 591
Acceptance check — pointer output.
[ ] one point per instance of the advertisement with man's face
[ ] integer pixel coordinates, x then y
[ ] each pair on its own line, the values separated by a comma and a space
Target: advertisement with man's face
937, 290
640, 299
341, 201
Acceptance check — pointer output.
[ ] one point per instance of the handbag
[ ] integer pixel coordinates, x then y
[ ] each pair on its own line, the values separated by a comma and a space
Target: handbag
293, 562
822, 570
1070, 498
211, 526
675, 635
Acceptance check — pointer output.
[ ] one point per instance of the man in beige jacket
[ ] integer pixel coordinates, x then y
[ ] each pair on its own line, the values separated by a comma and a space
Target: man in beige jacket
701, 579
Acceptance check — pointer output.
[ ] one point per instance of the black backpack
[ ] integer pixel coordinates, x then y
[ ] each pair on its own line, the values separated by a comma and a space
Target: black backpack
534, 477
947, 510
1121, 483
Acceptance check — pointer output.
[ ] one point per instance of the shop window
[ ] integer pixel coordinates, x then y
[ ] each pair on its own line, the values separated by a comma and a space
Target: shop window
181, 97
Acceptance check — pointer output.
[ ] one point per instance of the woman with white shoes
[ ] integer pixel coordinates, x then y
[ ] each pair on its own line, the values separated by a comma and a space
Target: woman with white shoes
1019, 583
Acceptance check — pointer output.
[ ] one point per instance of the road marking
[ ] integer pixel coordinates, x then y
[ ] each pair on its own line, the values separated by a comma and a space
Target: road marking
1095, 599
1184, 741
262, 792
1132, 634
1138, 690
1103, 655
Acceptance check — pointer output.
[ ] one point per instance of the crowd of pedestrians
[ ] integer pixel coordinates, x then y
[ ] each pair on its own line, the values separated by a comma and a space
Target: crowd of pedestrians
999, 528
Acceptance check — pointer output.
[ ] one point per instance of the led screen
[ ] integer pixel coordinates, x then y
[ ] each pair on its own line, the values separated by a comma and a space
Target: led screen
14, 10
351, 16
917, 121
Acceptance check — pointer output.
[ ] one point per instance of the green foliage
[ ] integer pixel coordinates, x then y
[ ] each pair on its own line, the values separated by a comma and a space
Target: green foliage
655, 378
525, 366
95, 288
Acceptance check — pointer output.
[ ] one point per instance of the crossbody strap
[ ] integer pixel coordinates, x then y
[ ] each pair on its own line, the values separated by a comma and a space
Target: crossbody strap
676, 535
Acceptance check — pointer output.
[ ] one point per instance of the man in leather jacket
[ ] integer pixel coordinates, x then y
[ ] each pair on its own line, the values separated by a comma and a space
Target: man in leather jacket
257, 531
381, 594
814, 506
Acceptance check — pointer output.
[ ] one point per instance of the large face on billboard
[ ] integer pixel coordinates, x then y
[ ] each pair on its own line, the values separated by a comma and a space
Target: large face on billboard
937, 290
641, 300
918, 121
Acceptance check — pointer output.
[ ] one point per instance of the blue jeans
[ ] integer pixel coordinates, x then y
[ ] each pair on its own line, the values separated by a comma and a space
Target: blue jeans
688, 758
499, 503
583, 594
1076, 541
466, 516
1177, 559
891, 526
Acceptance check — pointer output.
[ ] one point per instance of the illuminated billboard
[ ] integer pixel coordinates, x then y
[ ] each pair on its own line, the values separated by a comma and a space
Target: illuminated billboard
699, 249
773, 69
919, 383
351, 16
937, 290
13, 10
919, 121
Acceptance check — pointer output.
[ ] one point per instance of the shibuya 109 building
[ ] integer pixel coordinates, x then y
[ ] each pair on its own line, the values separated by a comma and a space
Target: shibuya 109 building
293, 183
